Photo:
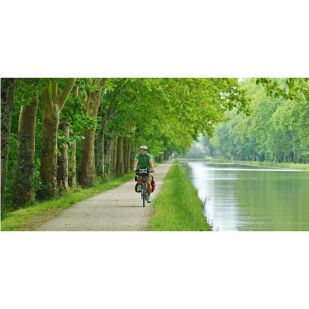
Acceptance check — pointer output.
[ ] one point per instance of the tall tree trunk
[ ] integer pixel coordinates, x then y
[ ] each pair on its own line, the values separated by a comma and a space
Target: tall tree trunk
119, 164
107, 156
88, 163
52, 104
100, 151
87, 174
23, 189
129, 157
102, 160
72, 181
72, 164
111, 154
114, 155
50, 121
63, 161
125, 154
8, 86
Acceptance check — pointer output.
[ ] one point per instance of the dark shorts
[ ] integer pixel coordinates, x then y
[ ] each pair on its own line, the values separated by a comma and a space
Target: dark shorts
139, 178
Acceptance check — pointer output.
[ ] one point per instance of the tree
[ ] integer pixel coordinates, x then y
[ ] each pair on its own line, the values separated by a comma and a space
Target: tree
72, 164
8, 86
53, 100
23, 188
73, 121
120, 157
63, 159
107, 112
92, 103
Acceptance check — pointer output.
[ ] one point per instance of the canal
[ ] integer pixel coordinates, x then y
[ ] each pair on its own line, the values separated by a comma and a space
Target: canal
245, 198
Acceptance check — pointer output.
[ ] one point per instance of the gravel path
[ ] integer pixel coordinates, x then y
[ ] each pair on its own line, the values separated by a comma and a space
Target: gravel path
119, 209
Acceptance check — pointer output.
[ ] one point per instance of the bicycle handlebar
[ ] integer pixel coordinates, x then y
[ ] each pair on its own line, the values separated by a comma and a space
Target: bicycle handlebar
143, 171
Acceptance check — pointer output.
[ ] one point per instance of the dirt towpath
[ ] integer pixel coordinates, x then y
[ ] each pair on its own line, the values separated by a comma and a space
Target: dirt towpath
119, 209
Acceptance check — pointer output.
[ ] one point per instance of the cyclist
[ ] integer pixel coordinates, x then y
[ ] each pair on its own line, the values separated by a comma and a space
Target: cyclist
144, 160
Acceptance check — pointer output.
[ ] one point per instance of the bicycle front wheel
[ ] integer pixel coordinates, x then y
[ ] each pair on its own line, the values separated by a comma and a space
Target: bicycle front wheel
144, 194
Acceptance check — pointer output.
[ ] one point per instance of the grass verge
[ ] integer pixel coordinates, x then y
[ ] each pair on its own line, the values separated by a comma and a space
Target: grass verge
178, 207
29, 218
300, 166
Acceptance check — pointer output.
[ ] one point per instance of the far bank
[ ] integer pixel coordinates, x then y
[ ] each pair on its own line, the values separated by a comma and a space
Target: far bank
301, 166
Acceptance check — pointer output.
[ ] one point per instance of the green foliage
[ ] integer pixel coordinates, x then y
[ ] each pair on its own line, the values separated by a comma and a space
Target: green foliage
287, 88
168, 114
276, 130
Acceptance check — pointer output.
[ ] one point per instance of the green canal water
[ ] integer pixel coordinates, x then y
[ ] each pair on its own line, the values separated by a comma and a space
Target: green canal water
244, 198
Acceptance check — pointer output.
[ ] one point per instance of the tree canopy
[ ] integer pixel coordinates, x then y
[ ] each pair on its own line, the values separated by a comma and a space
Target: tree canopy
277, 128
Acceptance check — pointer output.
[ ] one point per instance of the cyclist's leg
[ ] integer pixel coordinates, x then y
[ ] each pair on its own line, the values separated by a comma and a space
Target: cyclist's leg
148, 189
139, 180
139, 183
149, 184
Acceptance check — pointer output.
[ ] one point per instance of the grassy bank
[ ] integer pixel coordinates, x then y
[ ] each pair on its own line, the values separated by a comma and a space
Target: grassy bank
29, 218
178, 207
300, 166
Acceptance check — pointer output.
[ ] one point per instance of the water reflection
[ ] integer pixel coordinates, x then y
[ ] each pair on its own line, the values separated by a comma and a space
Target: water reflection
244, 198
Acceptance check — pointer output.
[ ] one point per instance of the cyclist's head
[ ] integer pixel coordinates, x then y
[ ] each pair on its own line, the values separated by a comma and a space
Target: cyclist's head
143, 149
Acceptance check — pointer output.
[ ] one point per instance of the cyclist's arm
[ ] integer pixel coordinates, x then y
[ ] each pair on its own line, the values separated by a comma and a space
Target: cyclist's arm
135, 164
151, 165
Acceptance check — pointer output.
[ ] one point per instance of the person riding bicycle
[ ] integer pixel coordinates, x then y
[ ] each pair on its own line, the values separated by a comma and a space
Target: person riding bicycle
144, 160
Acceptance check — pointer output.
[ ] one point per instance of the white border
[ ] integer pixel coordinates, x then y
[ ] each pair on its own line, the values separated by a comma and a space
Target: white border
154, 270
162, 38
196, 38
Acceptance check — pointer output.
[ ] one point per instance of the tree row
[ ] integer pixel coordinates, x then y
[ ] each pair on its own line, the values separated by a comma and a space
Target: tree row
59, 134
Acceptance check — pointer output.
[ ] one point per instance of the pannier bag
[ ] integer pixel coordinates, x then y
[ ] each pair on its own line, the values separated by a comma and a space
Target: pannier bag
153, 184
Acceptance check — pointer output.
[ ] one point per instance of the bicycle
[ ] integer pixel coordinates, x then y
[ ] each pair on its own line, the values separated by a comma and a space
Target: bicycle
144, 172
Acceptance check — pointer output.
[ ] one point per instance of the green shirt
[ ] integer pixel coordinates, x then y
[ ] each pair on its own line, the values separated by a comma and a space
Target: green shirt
143, 161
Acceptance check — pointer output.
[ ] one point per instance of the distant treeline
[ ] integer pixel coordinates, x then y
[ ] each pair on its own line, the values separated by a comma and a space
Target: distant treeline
277, 129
